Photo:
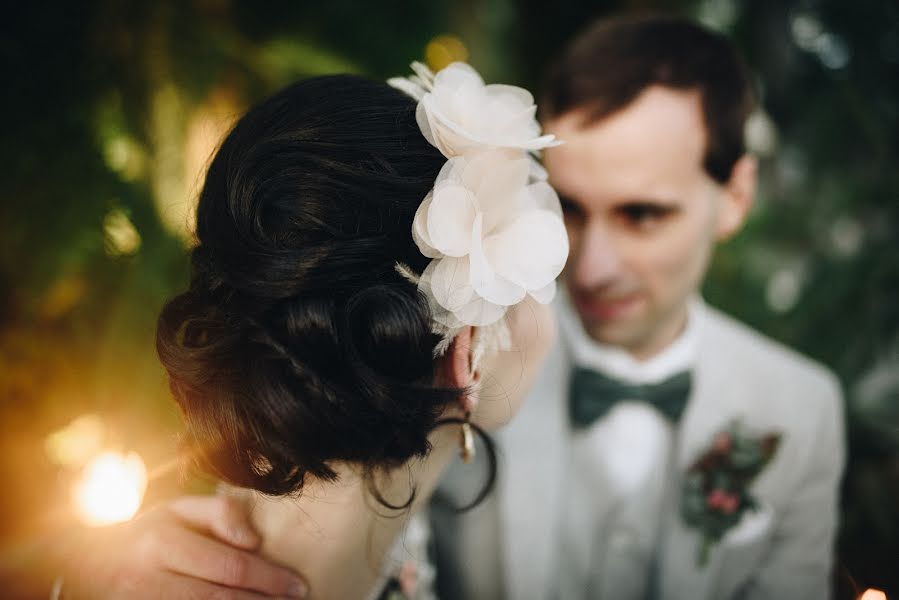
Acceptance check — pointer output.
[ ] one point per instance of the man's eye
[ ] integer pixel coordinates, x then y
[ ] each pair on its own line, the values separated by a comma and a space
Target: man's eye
643, 214
570, 208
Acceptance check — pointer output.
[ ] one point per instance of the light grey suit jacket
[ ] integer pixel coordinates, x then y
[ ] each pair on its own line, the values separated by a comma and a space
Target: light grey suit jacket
508, 546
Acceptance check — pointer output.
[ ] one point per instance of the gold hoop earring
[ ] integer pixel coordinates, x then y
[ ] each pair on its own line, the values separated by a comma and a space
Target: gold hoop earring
466, 440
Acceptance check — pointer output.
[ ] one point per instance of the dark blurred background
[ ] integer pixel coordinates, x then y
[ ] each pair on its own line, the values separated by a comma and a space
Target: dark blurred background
111, 109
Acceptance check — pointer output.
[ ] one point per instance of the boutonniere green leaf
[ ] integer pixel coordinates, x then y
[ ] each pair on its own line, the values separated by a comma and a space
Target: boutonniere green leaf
716, 487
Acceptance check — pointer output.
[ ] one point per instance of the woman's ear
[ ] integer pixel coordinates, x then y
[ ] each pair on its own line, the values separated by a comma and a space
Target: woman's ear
455, 368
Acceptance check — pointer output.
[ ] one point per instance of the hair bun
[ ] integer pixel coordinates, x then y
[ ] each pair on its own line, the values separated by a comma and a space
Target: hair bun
298, 345
390, 333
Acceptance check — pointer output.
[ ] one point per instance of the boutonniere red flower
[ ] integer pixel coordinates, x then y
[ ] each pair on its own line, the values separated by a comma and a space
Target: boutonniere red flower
716, 487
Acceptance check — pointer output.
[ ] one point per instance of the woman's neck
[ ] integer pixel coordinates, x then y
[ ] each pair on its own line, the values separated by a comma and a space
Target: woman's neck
336, 535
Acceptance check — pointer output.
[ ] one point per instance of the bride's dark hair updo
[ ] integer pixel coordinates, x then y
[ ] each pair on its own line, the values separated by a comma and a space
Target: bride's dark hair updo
298, 343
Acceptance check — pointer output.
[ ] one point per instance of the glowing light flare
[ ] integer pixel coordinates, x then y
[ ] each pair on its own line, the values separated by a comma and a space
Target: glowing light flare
77, 442
872, 594
110, 489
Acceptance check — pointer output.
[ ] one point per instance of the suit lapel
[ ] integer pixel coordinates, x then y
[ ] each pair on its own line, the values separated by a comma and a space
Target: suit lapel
717, 399
532, 481
714, 402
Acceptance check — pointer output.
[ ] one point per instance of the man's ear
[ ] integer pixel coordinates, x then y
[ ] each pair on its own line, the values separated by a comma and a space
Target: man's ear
739, 193
454, 368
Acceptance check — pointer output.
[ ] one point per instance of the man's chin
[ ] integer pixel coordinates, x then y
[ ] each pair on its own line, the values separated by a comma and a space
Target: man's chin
612, 336
615, 333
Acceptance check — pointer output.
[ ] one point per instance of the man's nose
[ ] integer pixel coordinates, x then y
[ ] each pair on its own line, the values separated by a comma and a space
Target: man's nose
597, 261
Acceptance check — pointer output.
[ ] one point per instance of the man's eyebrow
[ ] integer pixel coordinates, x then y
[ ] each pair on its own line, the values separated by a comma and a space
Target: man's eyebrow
569, 201
655, 201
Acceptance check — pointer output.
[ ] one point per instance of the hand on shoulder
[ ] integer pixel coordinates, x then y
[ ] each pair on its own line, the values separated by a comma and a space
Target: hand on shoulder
192, 547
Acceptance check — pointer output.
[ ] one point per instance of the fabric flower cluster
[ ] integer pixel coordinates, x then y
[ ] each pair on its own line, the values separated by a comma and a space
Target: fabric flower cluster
491, 223
716, 489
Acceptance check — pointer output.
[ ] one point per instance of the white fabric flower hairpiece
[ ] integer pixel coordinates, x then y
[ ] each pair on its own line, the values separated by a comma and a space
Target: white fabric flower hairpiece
491, 223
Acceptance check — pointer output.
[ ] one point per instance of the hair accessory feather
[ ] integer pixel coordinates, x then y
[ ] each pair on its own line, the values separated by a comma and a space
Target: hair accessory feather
491, 223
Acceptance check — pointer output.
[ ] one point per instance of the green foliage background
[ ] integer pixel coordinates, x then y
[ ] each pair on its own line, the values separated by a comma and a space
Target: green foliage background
97, 97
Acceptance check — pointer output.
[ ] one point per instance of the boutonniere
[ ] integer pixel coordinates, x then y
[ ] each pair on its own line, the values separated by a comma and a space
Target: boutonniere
716, 487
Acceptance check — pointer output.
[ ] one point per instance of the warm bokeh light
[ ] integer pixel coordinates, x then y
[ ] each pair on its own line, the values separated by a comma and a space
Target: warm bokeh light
872, 594
77, 442
62, 296
168, 108
122, 152
443, 50
111, 488
121, 237
206, 127
125, 156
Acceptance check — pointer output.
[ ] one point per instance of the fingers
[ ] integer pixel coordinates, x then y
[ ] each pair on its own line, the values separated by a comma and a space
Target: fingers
189, 553
178, 587
224, 517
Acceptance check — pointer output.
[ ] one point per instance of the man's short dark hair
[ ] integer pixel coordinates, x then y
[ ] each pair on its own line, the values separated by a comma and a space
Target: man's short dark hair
613, 61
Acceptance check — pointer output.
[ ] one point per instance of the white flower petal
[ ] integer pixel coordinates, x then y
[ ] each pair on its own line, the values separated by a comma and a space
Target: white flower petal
450, 218
530, 251
501, 291
538, 173
463, 170
545, 294
460, 114
491, 224
440, 314
456, 105
450, 137
451, 170
450, 282
544, 141
499, 191
422, 117
480, 272
420, 229
424, 74
496, 177
510, 93
473, 169
480, 312
446, 318
455, 75
514, 124
544, 197
408, 86
503, 176
486, 282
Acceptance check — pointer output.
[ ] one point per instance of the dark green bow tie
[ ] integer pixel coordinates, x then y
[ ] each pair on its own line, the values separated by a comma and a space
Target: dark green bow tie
593, 394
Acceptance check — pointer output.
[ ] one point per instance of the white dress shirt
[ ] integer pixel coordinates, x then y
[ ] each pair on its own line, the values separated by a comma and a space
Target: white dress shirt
622, 457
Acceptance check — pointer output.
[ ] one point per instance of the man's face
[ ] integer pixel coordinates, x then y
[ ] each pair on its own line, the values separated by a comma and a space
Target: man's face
642, 216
